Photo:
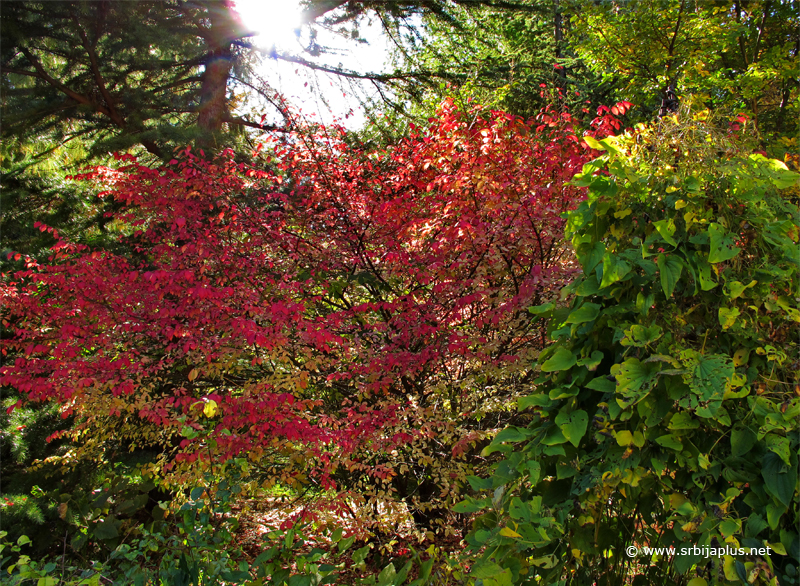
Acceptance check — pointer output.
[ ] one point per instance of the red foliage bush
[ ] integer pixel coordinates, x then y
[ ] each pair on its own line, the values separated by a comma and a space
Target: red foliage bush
323, 303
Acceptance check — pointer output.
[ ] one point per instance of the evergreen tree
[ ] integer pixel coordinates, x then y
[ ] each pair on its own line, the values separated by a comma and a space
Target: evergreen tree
510, 55
518, 60
738, 55
120, 74
84, 78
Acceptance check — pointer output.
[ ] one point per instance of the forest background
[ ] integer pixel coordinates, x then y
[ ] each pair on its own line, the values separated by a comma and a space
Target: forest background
540, 309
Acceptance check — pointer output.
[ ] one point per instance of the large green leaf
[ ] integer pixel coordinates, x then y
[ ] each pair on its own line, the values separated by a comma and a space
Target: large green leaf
512, 434
670, 441
478, 483
722, 244
708, 375
614, 270
666, 228
735, 289
586, 312
305, 580
542, 309
561, 360
554, 437
780, 445
107, 528
640, 336
591, 259
471, 505
386, 577
491, 574
742, 441
779, 478
519, 509
704, 274
538, 400
573, 425
632, 375
727, 316
683, 421
589, 286
601, 384
592, 361
669, 269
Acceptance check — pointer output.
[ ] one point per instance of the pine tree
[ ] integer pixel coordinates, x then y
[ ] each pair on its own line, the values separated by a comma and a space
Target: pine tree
120, 74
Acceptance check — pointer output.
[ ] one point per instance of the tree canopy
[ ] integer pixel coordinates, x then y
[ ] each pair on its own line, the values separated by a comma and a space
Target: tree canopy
737, 56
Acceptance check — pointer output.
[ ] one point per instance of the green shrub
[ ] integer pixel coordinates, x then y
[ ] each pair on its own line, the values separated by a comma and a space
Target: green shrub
666, 411
196, 546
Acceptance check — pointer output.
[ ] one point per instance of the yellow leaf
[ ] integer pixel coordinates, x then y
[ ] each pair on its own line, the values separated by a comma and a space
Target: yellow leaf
740, 356
689, 527
545, 562
697, 582
193, 374
778, 547
210, 409
617, 231
676, 500
507, 532
624, 438
623, 213
638, 439
729, 567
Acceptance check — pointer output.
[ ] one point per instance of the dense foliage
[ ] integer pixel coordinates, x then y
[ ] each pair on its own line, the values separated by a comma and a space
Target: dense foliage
738, 57
666, 411
499, 57
352, 318
342, 339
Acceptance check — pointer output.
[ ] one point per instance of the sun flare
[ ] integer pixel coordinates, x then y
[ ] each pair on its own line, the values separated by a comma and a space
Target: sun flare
274, 22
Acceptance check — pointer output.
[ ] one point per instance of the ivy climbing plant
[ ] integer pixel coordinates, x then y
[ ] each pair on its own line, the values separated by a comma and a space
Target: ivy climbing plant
665, 413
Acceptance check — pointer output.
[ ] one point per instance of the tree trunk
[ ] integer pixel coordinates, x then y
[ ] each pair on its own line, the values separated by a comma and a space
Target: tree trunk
213, 91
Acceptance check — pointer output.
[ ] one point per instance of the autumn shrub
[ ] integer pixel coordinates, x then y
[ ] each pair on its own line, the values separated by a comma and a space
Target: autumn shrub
666, 410
346, 319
